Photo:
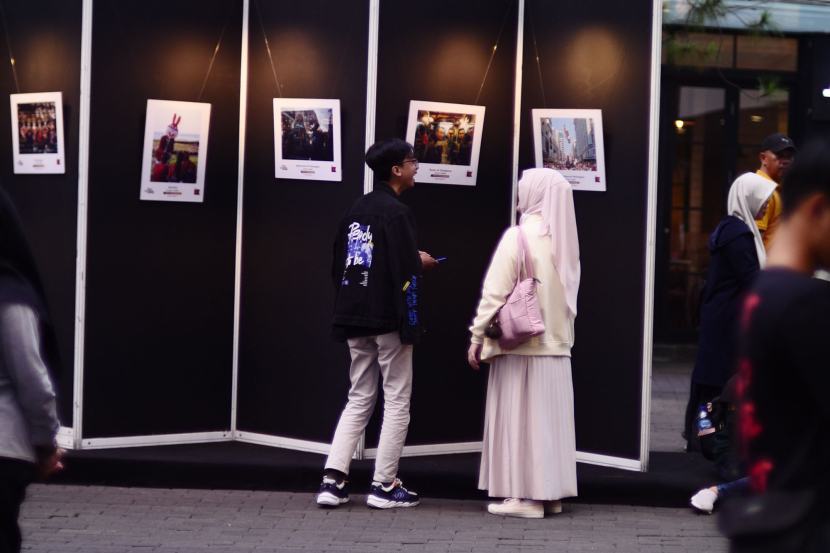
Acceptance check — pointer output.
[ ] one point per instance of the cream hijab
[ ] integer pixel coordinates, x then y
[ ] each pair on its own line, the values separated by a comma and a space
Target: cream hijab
546, 192
748, 194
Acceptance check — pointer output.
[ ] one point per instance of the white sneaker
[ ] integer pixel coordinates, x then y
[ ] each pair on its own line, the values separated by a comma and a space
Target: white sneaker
553, 507
517, 508
704, 500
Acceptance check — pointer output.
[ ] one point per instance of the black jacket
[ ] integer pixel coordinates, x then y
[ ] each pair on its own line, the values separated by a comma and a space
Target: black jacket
377, 268
734, 266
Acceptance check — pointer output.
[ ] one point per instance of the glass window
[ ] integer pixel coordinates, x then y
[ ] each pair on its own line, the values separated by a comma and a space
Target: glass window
759, 117
767, 53
697, 196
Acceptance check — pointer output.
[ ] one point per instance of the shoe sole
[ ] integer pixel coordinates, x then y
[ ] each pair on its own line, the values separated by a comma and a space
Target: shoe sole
380, 503
518, 514
330, 500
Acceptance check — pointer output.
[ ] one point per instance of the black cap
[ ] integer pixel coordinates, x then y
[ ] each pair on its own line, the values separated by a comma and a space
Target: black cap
777, 142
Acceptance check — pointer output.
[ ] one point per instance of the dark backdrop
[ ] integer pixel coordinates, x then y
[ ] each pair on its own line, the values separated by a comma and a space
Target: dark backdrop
159, 329
293, 379
445, 60
46, 43
597, 55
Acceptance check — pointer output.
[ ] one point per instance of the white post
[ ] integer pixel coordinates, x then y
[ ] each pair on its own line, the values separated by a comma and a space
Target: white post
651, 226
83, 189
517, 109
240, 179
371, 87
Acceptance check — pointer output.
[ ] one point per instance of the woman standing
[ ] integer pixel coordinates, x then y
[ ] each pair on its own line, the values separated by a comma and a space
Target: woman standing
737, 251
529, 447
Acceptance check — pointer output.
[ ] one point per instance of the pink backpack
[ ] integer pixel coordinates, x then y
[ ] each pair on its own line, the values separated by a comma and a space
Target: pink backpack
520, 318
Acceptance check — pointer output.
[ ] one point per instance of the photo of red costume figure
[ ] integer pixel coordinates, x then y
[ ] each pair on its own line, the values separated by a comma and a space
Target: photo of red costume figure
174, 160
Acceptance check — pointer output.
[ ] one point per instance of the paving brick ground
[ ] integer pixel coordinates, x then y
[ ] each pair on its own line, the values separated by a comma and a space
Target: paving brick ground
107, 519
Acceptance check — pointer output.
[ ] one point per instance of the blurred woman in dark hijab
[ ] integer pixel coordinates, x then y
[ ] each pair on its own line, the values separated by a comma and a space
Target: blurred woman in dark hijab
29, 365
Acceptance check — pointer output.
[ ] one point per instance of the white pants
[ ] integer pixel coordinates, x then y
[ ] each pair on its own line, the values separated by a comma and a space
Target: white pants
371, 356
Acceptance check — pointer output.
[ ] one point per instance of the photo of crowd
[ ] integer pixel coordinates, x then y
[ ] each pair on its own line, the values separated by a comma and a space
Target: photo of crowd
444, 138
174, 156
37, 125
568, 144
307, 134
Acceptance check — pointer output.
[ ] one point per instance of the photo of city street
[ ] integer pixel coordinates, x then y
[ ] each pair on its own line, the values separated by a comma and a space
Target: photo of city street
568, 144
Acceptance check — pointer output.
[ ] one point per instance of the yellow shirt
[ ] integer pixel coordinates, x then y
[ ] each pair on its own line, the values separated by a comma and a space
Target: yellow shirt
769, 224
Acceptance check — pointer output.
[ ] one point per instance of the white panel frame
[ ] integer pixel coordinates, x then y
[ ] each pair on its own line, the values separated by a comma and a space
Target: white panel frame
157, 439
651, 229
72, 437
371, 88
237, 290
80, 260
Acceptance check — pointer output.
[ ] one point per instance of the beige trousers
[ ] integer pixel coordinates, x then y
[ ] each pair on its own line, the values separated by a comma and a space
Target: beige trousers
373, 356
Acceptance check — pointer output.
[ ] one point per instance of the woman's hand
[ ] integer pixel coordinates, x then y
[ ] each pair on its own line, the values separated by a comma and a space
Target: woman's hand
474, 355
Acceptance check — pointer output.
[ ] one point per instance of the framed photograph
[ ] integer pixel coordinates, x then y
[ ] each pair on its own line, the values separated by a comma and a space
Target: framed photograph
175, 151
447, 141
307, 139
570, 141
37, 133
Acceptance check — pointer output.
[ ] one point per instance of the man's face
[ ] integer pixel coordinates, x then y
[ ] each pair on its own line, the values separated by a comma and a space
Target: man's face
409, 168
461, 134
439, 133
775, 164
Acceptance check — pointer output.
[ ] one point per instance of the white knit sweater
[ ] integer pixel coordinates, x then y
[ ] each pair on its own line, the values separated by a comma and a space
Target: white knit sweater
501, 276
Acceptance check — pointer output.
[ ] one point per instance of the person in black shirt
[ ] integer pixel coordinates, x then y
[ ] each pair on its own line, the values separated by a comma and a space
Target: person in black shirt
376, 274
784, 377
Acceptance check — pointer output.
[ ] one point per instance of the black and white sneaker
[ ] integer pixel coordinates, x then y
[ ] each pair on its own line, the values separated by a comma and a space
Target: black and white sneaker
396, 495
331, 493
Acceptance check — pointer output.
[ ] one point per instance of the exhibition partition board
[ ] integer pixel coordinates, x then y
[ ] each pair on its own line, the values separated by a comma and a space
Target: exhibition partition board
46, 44
170, 355
461, 223
292, 379
160, 275
598, 55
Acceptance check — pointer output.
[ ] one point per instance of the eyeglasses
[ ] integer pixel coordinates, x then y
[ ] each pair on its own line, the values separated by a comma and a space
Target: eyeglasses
415, 161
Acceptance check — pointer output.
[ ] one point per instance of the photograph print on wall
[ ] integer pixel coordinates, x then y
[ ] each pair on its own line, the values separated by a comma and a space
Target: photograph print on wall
307, 139
570, 141
175, 151
447, 141
37, 133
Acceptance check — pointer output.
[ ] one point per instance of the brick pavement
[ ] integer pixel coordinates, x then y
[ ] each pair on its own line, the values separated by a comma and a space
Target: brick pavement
113, 520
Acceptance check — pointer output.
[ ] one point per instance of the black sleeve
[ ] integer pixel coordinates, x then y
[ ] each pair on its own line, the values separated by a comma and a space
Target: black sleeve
806, 342
406, 269
743, 257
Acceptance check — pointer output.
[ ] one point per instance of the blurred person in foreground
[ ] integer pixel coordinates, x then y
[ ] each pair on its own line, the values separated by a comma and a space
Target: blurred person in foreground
28, 354
784, 377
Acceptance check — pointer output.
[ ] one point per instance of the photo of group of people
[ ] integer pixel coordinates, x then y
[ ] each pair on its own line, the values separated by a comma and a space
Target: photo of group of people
570, 141
175, 144
37, 133
444, 138
307, 139
37, 127
307, 134
569, 144
447, 141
